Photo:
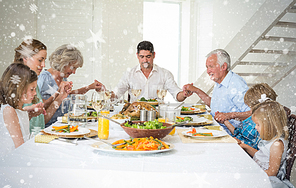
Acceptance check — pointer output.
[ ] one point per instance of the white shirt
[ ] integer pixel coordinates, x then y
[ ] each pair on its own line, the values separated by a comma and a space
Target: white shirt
157, 77
6, 142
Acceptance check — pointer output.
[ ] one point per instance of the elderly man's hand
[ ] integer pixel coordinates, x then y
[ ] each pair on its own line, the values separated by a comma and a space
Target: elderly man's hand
188, 89
221, 117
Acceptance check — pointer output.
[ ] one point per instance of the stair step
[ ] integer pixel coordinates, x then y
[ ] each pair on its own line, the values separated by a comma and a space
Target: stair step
282, 39
292, 9
272, 52
275, 64
257, 74
286, 24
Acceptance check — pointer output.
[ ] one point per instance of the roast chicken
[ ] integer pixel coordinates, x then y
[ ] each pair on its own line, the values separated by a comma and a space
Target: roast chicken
133, 109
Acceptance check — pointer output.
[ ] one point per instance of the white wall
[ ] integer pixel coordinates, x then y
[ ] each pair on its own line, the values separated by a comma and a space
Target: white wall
16, 21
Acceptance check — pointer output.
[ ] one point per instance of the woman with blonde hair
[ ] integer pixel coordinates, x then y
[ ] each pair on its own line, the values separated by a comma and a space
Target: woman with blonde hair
63, 61
17, 87
32, 53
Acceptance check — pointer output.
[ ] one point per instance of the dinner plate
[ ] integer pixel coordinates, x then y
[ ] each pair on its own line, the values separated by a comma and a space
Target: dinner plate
80, 133
195, 111
216, 134
106, 148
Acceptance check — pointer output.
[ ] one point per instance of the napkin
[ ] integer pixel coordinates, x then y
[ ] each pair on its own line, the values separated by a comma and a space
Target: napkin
216, 127
44, 138
224, 139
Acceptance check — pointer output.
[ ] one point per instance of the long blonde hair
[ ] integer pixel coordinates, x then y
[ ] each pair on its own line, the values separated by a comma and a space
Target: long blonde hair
272, 118
14, 82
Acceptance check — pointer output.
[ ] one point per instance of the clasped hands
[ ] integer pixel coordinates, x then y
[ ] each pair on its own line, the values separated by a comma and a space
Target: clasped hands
221, 117
188, 90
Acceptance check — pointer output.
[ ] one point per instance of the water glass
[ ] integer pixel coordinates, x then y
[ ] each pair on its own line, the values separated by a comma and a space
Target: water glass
161, 110
170, 116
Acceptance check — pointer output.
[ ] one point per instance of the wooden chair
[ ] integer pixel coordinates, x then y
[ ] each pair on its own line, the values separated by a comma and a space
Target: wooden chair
292, 145
288, 111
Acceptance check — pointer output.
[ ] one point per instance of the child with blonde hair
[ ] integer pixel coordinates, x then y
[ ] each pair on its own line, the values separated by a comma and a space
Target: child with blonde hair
17, 87
245, 133
271, 122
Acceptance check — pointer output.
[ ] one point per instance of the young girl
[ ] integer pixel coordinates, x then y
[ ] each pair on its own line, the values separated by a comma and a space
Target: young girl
271, 122
17, 86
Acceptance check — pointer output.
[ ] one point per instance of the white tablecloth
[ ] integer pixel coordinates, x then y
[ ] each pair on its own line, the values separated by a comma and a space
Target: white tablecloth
60, 164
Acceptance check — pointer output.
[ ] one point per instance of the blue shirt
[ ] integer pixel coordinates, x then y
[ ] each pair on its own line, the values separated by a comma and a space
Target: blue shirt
48, 87
229, 97
247, 133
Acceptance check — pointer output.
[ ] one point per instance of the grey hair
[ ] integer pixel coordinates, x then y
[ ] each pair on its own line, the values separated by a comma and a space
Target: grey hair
222, 57
65, 55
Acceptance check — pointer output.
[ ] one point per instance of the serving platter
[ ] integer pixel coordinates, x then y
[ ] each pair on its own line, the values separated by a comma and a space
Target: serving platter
106, 148
154, 103
216, 134
77, 134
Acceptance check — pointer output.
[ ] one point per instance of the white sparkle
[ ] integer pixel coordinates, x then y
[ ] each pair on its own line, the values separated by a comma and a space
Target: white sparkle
140, 28
33, 8
83, 164
200, 180
96, 38
22, 27
15, 79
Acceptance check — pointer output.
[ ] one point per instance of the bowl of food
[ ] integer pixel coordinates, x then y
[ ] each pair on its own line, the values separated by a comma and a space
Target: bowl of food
140, 129
120, 118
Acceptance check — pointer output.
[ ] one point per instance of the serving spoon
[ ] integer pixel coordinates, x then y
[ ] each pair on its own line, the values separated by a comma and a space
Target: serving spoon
179, 105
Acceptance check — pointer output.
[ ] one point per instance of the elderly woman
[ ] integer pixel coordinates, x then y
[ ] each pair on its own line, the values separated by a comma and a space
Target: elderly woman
63, 61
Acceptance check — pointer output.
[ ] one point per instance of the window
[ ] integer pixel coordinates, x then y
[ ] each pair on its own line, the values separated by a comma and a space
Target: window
161, 26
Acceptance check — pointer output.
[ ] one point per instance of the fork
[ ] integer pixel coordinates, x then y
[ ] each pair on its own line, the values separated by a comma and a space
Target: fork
97, 139
68, 141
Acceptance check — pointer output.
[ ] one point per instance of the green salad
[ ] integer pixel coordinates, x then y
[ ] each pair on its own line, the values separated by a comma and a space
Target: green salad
146, 125
181, 119
147, 100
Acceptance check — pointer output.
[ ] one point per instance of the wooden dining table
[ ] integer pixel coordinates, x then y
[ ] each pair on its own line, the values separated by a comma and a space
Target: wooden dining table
61, 164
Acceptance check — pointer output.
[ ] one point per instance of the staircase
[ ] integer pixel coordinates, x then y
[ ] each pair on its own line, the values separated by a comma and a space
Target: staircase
265, 48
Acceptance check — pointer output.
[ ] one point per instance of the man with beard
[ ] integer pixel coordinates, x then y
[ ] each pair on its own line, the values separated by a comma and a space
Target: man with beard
148, 77
227, 101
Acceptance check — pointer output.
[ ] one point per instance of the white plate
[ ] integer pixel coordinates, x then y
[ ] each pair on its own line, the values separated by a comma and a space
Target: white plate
106, 148
216, 133
195, 111
81, 131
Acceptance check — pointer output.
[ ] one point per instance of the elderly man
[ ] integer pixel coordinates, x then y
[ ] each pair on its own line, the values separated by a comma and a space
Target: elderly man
148, 76
227, 101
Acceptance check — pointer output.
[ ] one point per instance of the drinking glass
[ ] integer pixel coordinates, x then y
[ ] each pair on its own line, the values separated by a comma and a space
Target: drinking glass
170, 117
98, 100
161, 93
136, 91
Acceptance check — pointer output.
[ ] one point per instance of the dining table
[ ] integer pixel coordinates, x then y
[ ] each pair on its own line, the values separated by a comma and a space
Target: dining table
63, 164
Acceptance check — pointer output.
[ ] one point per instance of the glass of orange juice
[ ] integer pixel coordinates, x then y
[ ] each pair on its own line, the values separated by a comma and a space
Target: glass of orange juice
170, 116
103, 126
